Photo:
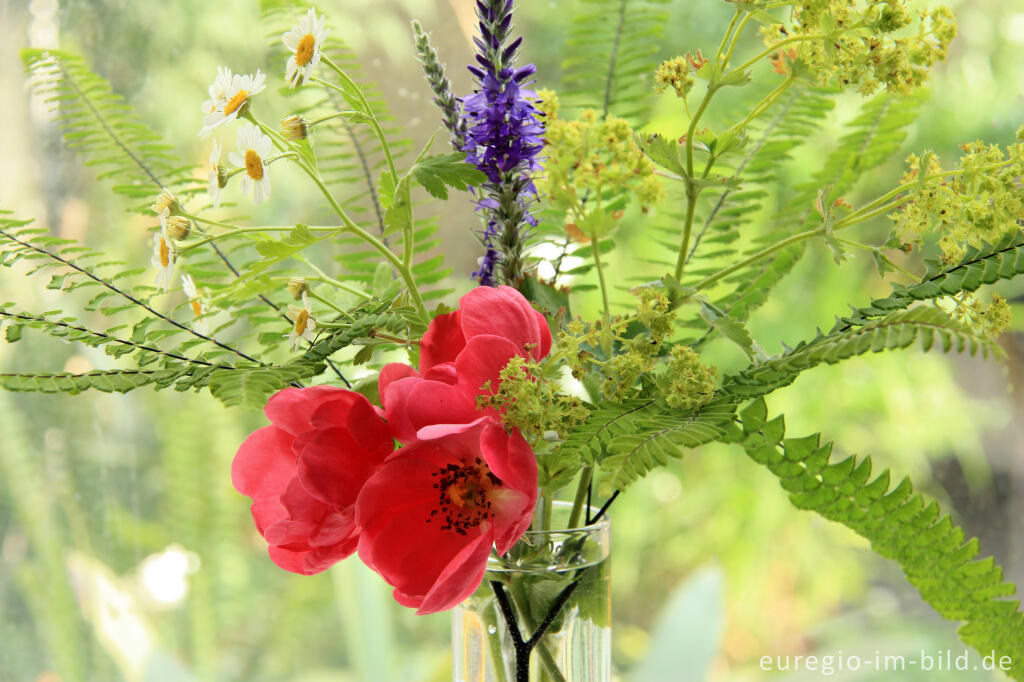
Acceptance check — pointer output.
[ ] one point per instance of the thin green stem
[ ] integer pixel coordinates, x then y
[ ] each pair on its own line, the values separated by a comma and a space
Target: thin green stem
586, 476
329, 304
374, 123
763, 105
244, 230
684, 244
328, 117
767, 251
728, 32
775, 48
735, 40
327, 279
878, 251
594, 245
404, 269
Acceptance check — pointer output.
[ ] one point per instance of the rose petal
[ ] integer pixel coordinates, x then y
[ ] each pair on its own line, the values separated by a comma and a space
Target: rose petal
290, 408
442, 342
391, 373
460, 577
264, 463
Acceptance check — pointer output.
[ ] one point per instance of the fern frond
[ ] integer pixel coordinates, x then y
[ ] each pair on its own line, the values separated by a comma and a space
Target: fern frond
903, 526
254, 385
614, 46
985, 265
898, 329
656, 436
97, 123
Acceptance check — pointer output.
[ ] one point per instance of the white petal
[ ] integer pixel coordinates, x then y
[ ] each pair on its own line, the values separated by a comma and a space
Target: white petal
236, 159
291, 39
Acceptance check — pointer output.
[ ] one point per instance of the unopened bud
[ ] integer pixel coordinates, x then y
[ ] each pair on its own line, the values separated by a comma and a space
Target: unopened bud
295, 127
297, 286
178, 228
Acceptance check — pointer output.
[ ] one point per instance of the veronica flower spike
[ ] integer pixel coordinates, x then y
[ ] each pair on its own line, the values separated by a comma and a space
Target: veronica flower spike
504, 139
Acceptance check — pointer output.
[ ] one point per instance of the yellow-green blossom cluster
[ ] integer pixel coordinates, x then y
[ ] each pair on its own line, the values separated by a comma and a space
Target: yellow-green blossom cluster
981, 201
634, 356
593, 167
688, 383
533, 405
988, 319
863, 44
674, 73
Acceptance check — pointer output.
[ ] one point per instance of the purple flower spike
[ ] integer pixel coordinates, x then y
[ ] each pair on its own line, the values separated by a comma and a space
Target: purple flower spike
504, 138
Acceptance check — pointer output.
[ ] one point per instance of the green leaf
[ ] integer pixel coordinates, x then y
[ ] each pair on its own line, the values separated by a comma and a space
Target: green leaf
662, 151
436, 173
254, 385
903, 526
729, 327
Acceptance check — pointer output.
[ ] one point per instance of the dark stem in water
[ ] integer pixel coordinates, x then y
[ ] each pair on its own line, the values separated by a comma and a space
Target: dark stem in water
524, 648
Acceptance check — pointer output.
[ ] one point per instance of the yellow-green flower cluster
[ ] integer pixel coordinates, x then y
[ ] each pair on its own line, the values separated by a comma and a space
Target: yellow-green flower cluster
674, 73
688, 383
863, 44
535, 406
593, 165
981, 201
988, 319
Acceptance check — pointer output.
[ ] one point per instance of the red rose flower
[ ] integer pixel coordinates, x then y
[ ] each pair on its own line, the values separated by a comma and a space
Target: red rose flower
460, 352
305, 471
431, 513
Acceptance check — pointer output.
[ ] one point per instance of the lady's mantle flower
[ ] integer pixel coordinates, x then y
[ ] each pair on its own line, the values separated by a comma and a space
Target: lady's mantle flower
217, 178
304, 324
305, 42
195, 302
229, 95
305, 470
253, 149
164, 256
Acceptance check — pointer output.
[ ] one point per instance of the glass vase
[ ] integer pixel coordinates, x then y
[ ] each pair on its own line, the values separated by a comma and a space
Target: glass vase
555, 582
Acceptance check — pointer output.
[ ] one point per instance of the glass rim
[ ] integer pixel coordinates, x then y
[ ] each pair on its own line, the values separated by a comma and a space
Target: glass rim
602, 524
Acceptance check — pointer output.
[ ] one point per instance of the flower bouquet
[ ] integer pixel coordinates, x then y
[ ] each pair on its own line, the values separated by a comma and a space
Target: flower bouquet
471, 455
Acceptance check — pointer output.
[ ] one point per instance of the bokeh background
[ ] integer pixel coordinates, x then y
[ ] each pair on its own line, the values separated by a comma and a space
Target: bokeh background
126, 555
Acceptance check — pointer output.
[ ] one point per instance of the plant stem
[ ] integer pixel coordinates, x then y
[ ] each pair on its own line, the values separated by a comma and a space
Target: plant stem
684, 244
767, 251
328, 117
403, 268
586, 475
594, 246
244, 230
343, 313
775, 48
763, 105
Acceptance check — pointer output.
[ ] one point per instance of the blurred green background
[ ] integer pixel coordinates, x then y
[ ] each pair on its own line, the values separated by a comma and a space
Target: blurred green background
125, 554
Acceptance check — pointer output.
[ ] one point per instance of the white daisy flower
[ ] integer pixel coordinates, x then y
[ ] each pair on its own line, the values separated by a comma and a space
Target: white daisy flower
164, 256
253, 149
164, 202
304, 322
213, 186
228, 98
304, 42
189, 285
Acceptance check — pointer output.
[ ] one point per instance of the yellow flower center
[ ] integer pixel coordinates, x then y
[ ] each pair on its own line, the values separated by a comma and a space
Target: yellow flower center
253, 165
235, 102
165, 253
197, 307
304, 50
301, 318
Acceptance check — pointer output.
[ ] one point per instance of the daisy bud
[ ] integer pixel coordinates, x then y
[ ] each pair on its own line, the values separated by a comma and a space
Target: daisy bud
297, 286
295, 127
178, 228
165, 203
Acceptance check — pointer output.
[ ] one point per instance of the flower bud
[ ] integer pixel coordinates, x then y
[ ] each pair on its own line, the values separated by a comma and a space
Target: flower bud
178, 228
222, 175
295, 127
297, 286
